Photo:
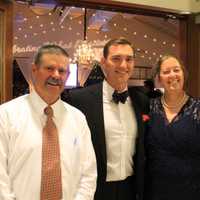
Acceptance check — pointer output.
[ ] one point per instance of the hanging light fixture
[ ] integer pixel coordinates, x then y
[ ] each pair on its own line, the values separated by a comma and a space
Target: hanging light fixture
84, 53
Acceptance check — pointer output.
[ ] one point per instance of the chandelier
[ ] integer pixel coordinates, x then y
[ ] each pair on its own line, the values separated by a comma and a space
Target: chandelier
84, 54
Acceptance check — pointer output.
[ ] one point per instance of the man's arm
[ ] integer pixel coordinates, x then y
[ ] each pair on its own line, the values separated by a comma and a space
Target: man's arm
87, 184
5, 184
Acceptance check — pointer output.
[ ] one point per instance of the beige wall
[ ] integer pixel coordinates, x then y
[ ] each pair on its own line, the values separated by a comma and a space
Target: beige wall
179, 5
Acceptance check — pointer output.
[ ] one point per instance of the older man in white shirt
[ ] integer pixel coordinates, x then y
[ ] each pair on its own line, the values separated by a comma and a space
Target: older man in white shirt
21, 141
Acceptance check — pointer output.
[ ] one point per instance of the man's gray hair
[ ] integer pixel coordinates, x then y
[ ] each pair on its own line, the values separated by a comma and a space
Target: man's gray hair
49, 49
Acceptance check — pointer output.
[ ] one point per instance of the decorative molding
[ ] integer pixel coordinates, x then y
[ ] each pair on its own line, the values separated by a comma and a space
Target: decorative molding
197, 19
2, 56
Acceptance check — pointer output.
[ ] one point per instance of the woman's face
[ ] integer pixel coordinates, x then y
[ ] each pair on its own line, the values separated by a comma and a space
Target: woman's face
171, 75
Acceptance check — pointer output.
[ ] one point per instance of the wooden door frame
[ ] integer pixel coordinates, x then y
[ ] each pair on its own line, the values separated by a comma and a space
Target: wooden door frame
6, 37
186, 36
193, 55
189, 38
123, 7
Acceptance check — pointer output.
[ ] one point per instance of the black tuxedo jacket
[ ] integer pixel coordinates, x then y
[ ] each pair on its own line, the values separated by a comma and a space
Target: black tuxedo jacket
90, 101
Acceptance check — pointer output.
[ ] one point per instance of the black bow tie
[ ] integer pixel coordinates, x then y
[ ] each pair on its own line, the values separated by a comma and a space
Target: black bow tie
120, 97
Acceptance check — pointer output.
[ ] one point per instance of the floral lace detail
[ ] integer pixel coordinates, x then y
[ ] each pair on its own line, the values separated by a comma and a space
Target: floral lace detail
191, 107
155, 106
196, 111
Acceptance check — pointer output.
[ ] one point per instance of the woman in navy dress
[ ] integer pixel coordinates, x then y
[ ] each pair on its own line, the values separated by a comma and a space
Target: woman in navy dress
173, 139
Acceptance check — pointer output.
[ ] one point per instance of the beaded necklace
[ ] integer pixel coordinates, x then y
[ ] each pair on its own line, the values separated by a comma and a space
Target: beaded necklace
178, 105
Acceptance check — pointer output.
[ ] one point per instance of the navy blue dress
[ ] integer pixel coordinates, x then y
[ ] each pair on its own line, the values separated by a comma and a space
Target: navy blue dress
173, 153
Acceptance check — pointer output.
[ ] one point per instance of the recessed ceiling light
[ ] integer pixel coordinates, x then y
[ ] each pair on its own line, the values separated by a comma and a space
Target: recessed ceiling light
185, 12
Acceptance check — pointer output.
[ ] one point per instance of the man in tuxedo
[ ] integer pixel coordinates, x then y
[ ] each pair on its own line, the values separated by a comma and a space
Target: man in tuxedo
114, 114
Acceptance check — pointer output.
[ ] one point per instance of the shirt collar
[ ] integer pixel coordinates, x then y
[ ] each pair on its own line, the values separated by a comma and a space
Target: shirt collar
107, 91
39, 104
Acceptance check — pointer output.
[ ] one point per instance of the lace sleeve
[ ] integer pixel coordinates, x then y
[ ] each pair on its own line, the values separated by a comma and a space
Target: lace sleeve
155, 105
196, 111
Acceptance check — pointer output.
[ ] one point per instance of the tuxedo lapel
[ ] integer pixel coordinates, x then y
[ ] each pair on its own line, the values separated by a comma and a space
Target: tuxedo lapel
139, 158
99, 127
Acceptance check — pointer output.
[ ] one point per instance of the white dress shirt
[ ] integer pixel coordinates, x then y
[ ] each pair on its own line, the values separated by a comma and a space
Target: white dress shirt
120, 131
21, 123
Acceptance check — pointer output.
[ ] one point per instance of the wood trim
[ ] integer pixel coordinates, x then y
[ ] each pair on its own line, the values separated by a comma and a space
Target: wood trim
193, 56
182, 41
6, 10
123, 7
103, 5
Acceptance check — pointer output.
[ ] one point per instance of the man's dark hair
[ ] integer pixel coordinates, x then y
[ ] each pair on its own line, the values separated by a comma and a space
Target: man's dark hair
113, 42
48, 49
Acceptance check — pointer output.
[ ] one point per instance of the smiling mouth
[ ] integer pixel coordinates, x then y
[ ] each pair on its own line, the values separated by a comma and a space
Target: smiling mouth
120, 72
174, 83
53, 84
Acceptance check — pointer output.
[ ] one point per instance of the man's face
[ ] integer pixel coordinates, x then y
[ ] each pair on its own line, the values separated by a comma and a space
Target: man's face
50, 75
118, 66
